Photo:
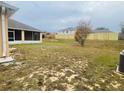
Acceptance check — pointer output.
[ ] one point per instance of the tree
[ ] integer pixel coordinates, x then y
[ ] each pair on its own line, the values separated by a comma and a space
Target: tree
122, 27
102, 28
82, 30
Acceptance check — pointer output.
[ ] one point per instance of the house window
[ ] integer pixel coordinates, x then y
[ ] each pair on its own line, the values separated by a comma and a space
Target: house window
11, 36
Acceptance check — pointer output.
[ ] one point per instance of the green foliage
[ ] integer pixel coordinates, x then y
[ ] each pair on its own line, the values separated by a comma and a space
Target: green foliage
106, 60
122, 29
102, 28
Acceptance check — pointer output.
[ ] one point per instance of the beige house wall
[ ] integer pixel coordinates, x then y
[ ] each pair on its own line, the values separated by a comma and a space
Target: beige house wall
1, 37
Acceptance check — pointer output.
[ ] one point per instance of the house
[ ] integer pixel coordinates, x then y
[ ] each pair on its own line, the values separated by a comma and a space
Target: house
6, 11
67, 31
20, 33
14, 32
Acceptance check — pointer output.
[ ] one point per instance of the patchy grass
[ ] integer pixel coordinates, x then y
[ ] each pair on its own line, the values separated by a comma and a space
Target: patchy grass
64, 65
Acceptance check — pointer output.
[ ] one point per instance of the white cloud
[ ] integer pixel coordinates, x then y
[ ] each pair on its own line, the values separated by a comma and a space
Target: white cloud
55, 15
74, 19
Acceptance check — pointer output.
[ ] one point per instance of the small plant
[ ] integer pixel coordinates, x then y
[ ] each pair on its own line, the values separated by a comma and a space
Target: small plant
83, 29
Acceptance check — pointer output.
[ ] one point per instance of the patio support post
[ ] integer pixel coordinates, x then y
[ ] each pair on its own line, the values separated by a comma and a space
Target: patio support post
41, 37
23, 35
1, 46
4, 33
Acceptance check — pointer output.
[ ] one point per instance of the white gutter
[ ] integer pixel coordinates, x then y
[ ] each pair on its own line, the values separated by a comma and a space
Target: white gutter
24, 29
4, 41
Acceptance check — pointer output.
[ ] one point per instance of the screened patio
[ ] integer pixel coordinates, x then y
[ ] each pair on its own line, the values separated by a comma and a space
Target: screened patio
16, 36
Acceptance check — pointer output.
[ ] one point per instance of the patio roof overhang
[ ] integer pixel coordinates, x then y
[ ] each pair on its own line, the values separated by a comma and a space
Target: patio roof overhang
9, 8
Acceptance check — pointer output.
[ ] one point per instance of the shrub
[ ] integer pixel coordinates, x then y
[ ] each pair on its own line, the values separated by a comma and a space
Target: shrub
51, 36
82, 30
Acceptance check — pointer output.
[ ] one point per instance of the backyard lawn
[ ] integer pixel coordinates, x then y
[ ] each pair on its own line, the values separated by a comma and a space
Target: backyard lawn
64, 65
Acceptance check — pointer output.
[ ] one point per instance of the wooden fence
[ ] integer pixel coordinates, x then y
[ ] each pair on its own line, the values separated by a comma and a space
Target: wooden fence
92, 36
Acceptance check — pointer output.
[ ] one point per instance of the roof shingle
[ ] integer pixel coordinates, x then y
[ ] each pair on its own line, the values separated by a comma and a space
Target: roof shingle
13, 24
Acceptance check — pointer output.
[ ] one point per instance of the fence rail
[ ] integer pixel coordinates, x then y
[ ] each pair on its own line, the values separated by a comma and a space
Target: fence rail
92, 36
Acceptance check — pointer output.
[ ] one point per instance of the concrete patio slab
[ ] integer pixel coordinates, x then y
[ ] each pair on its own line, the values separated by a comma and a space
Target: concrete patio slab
6, 60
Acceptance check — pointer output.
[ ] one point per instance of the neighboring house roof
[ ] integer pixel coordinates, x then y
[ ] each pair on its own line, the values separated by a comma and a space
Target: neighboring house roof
69, 29
102, 31
13, 24
10, 9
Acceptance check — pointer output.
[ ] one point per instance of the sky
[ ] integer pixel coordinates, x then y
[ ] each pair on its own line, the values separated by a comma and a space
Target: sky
53, 16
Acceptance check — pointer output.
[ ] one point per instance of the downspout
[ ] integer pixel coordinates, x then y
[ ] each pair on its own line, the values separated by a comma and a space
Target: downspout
3, 31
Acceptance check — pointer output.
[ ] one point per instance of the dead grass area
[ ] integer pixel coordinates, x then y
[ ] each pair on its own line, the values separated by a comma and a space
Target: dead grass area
64, 65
